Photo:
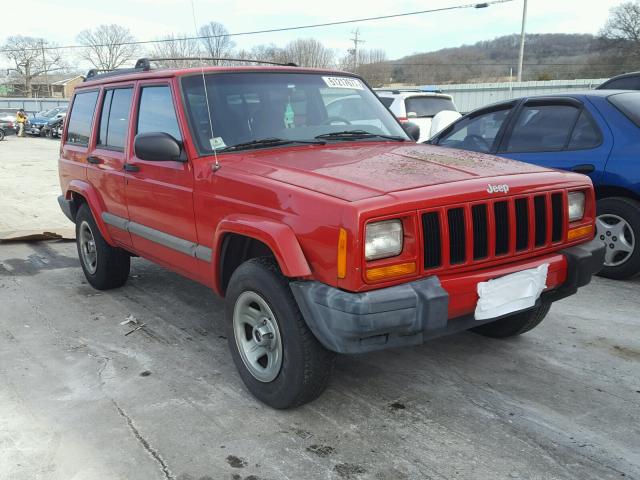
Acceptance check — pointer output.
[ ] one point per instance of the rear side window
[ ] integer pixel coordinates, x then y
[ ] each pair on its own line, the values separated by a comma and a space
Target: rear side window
114, 121
79, 130
628, 104
542, 128
586, 133
156, 112
427, 106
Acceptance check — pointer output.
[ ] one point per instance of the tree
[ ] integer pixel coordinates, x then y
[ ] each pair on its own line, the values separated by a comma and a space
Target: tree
104, 47
31, 57
308, 52
623, 25
217, 44
177, 47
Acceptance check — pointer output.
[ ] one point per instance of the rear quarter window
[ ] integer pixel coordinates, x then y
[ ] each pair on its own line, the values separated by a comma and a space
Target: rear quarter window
82, 111
628, 104
428, 106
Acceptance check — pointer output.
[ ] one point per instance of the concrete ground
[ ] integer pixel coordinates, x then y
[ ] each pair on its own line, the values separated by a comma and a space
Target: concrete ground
81, 400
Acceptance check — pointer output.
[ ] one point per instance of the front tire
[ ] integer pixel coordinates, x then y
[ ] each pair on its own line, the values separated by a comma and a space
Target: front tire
618, 225
515, 324
104, 266
278, 358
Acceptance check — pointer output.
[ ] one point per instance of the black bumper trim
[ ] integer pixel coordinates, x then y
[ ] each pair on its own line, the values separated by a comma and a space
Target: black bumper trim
65, 206
583, 261
411, 313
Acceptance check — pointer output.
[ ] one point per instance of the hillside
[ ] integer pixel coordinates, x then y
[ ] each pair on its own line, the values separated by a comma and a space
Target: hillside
547, 57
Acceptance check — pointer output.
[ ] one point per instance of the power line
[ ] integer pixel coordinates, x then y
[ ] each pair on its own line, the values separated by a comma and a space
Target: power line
475, 64
275, 30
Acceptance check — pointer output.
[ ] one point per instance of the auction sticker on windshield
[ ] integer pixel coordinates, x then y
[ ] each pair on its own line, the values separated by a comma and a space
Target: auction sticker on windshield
343, 82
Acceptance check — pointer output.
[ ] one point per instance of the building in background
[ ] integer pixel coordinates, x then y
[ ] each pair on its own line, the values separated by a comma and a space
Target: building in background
54, 86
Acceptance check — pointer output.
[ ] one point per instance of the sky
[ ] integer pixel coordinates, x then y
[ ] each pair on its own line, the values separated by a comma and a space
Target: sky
60, 21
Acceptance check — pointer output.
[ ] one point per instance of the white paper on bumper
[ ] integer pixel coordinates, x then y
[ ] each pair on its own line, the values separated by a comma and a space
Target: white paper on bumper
510, 293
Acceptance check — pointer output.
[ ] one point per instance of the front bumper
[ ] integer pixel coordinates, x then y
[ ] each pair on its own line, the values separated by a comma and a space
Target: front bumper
410, 313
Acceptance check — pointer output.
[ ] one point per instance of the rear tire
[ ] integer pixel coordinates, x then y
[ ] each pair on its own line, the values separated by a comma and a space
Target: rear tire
516, 324
618, 225
291, 368
1, 134
104, 266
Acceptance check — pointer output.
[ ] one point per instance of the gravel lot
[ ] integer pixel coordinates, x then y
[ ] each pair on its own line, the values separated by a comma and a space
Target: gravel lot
80, 400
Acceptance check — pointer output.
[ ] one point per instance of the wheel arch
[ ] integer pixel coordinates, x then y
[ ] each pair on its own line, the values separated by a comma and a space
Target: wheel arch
608, 191
79, 192
241, 237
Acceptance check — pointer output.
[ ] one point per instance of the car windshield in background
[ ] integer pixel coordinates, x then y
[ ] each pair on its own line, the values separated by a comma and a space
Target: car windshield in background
249, 108
628, 104
428, 106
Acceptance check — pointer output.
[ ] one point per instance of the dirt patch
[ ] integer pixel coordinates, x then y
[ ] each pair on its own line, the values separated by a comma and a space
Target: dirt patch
349, 470
321, 450
626, 352
236, 462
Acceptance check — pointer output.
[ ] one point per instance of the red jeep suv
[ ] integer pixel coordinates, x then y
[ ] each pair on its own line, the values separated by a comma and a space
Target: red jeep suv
296, 195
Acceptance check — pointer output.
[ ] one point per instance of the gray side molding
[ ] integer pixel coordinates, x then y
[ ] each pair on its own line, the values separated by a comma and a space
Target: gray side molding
162, 238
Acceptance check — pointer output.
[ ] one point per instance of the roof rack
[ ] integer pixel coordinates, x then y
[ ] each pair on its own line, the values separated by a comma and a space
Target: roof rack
395, 91
142, 65
225, 59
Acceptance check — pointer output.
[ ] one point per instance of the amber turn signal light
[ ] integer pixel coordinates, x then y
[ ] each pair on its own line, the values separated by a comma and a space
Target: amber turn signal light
579, 232
342, 253
380, 273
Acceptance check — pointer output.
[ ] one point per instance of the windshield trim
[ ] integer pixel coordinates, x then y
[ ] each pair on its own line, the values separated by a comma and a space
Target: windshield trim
204, 153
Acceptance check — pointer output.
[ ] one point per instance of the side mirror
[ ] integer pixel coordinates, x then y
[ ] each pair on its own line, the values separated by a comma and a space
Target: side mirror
157, 147
412, 130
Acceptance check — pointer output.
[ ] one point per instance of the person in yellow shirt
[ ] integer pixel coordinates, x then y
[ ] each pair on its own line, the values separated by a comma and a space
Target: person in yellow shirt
21, 120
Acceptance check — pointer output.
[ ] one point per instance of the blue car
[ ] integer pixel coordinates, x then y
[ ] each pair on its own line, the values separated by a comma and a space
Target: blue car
596, 133
38, 122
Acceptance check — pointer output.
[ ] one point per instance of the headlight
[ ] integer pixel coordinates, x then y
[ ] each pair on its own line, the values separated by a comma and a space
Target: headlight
383, 239
576, 205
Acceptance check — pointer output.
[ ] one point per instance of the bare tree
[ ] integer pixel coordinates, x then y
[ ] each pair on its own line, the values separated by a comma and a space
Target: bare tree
177, 47
104, 46
623, 24
31, 57
308, 52
217, 43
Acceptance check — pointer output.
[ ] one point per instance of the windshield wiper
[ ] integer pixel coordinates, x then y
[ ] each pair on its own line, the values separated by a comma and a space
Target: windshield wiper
267, 142
356, 134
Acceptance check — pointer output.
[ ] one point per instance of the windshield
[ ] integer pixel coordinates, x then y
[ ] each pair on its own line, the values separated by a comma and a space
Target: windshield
246, 107
428, 106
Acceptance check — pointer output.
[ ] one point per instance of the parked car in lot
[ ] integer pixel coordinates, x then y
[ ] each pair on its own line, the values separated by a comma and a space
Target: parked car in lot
626, 81
7, 127
37, 124
323, 234
419, 107
595, 133
53, 128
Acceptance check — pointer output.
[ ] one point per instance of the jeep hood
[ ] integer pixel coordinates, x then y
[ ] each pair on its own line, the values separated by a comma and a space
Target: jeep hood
358, 171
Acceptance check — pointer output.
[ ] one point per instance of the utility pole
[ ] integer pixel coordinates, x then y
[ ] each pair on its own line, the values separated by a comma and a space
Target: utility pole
44, 66
356, 40
522, 35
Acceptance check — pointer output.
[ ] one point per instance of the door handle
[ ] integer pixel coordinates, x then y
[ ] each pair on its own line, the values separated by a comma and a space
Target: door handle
131, 168
94, 160
584, 168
